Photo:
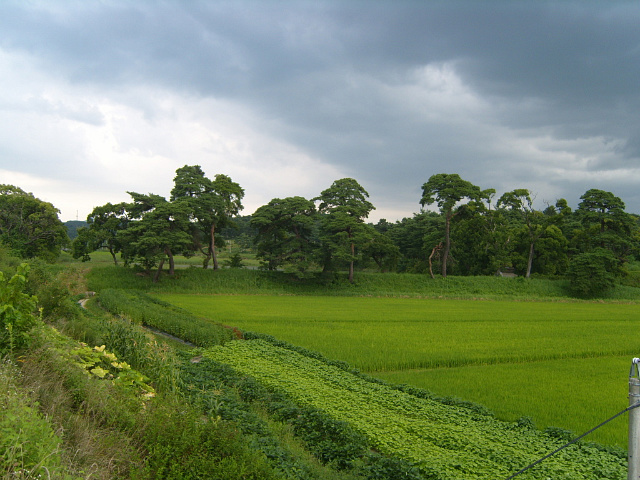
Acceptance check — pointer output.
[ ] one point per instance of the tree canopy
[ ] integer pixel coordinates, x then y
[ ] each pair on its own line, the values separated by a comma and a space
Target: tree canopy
471, 233
285, 234
29, 226
212, 204
344, 207
447, 190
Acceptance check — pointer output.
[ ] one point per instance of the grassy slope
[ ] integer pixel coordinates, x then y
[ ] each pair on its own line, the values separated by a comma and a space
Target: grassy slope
244, 281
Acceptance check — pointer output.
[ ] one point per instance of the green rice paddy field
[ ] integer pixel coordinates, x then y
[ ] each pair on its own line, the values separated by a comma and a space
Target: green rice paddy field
561, 364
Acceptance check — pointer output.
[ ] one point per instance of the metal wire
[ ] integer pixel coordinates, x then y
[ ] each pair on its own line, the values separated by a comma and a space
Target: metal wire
572, 441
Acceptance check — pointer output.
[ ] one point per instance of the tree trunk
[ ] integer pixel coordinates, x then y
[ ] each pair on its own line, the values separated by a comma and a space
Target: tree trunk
212, 247
433, 252
172, 265
353, 253
447, 243
113, 255
156, 277
530, 262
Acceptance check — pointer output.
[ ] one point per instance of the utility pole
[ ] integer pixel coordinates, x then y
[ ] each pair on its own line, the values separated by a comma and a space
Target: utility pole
634, 421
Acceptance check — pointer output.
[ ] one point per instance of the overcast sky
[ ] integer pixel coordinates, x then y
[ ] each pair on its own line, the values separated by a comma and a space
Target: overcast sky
98, 98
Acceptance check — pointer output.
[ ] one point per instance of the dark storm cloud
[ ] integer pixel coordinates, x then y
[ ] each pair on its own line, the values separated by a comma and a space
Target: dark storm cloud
345, 81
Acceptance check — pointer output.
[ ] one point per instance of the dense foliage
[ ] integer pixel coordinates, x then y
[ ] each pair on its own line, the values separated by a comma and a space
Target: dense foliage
473, 232
29, 226
17, 311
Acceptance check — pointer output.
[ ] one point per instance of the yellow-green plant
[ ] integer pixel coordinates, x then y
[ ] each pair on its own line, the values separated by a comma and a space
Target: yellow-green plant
99, 362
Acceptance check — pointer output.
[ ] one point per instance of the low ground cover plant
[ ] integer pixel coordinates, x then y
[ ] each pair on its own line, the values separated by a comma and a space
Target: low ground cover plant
445, 442
341, 452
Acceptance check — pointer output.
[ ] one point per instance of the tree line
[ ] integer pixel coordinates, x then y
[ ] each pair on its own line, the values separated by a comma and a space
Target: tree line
472, 232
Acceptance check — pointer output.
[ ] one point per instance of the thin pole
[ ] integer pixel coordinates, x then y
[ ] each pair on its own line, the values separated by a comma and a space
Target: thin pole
634, 422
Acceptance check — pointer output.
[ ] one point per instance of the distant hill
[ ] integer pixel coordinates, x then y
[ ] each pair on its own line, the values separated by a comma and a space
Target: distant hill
73, 226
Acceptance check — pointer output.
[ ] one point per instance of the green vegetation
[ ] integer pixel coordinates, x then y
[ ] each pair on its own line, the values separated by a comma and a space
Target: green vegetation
116, 429
444, 441
378, 334
255, 282
29, 446
111, 419
473, 234
16, 311
30, 227
147, 311
116, 390
574, 394
245, 281
415, 341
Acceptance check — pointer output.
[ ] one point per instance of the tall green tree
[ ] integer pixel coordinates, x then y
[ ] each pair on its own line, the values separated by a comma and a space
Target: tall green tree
533, 222
29, 226
285, 234
161, 229
213, 204
344, 207
104, 223
606, 224
480, 243
447, 190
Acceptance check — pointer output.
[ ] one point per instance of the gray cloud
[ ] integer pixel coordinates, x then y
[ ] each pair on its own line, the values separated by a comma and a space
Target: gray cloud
538, 95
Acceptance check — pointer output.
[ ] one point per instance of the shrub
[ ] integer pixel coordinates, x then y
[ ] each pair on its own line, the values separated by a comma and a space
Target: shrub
235, 261
54, 298
16, 311
593, 274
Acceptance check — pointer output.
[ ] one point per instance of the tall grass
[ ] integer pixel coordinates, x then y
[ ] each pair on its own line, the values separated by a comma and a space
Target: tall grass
29, 446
